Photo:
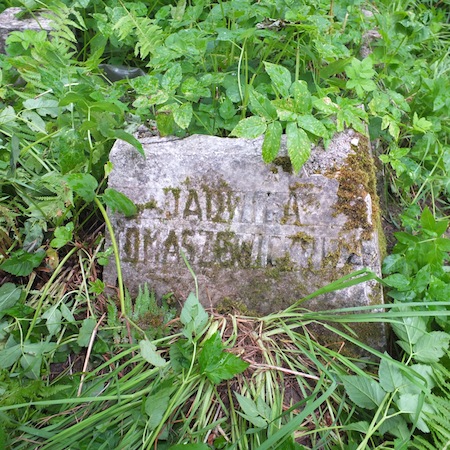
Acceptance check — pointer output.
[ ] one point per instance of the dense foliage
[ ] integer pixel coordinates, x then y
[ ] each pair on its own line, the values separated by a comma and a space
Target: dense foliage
81, 370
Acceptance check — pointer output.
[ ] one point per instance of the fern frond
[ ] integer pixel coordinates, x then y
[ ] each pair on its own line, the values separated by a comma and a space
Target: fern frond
148, 35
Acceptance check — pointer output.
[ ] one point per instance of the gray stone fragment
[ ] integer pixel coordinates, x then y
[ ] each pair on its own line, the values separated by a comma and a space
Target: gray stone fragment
9, 22
253, 233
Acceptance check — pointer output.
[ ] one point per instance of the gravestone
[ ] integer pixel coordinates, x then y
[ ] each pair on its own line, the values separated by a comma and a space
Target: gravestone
253, 233
10, 21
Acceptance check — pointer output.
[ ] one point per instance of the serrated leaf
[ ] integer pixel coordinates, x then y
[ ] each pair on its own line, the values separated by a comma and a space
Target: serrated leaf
409, 329
261, 106
119, 202
390, 375
63, 235
302, 97
364, 392
272, 141
415, 406
66, 313
172, 78
53, 318
431, 347
149, 353
298, 146
183, 115
280, 76
311, 124
193, 313
9, 296
84, 184
86, 330
21, 263
217, 364
397, 281
249, 128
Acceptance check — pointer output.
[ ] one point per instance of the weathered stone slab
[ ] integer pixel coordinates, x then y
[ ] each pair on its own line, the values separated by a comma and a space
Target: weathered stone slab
10, 22
253, 233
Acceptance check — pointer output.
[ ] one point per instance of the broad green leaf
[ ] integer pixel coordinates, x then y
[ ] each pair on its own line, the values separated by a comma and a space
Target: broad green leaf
63, 235
261, 106
311, 124
227, 110
84, 184
285, 109
21, 263
172, 78
397, 426
181, 353
119, 202
421, 125
427, 220
410, 329
272, 141
302, 97
298, 146
10, 355
9, 296
183, 115
43, 105
415, 406
281, 78
149, 353
364, 392
193, 313
392, 263
53, 319
431, 347
66, 313
398, 281
390, 375
86, 330
250, 411
165, 122
216, 364
127, 137
156, 406
249, 128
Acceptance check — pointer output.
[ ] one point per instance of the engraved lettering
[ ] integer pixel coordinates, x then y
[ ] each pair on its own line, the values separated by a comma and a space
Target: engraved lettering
192, 198
171, 247
291, 214
132, 244
150, 245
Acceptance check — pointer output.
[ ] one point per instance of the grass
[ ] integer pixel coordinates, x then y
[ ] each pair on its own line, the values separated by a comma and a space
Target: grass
80, 369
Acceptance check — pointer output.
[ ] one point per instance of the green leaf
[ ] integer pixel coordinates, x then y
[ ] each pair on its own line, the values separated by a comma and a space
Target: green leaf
127, 137
281, 78
298, 146
194, 315
149, 353
311, 124
421, 125
156, 406
272, 141
86, 330
364, 392
431, 347
390, 375
9, 356
250, 410
21, 263
302, 97
398, 281
63, 235
409, 329
165, 122
216, 364
53, 318
119, 202
249, 128
172, 78
183, 115
415, 406
261, 106
9, 296
83, 184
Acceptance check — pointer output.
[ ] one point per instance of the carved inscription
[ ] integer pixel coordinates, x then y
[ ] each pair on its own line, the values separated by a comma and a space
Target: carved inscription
215, 226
